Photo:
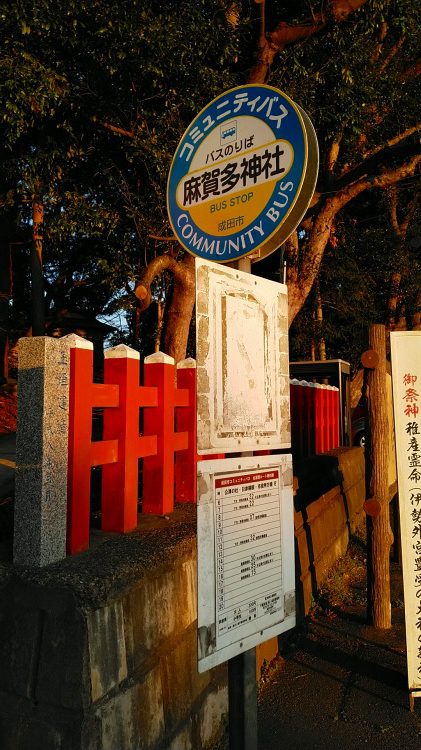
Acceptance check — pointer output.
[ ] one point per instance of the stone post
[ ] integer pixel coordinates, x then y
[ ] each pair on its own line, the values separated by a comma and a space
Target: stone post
41, 451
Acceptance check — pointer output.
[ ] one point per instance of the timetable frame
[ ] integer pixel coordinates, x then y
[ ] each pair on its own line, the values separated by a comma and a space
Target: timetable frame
246, 575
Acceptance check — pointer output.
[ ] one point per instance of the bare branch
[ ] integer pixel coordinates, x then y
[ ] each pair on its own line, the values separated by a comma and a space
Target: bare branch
392, 141
116, 129
393, 206
412, 72
284, 34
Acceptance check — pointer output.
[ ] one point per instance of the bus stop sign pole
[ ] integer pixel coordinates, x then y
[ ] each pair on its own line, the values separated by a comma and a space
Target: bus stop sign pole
242, 696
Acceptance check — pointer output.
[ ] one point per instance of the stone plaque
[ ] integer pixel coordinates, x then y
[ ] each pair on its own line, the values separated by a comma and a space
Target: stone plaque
242, 361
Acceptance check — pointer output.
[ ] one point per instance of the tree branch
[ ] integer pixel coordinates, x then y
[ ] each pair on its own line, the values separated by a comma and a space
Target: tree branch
391, 54
116, 129
349, 169
392, 141
333, 154
285, 34
412, 72
410, 214
393, 206
383, 180
382, 36
155, 268
321, 228
163, 239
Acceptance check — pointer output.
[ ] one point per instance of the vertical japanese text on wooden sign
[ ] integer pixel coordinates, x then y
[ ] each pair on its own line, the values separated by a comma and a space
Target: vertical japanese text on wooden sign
406, 375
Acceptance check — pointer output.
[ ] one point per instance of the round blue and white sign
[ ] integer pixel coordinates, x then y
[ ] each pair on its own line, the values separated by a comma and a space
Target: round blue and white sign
237, 173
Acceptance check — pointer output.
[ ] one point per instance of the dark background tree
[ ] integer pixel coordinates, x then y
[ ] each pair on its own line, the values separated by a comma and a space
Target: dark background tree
368, 274
95, 96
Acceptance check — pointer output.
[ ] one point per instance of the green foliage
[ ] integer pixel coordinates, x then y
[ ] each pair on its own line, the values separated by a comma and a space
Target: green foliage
75, 78
95, 95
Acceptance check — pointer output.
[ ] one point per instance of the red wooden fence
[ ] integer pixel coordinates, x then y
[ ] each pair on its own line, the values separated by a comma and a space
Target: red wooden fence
314, 418
155, 421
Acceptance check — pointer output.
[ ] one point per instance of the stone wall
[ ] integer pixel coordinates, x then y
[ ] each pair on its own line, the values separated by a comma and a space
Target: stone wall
328, 507
98, 651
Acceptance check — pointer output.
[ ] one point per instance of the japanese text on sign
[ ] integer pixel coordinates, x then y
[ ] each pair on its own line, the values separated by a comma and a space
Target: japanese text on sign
243, 103
265, 164
406, 372
249, 584
237, 173
413, 450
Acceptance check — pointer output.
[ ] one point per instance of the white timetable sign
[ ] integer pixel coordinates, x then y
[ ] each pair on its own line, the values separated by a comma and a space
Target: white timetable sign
245, 554
406, 379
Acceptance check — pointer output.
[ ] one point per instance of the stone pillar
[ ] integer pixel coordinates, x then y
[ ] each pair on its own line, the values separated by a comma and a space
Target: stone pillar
41, 451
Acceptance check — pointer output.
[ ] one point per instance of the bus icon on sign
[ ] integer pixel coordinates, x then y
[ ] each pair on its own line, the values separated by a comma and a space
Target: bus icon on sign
228, 132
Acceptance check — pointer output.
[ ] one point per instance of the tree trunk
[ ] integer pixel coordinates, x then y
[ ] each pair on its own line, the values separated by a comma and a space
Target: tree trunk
380, 534
393, 300
416, 316
7, 235
180, 311
180, 307
37, 280
160, 320
319, 323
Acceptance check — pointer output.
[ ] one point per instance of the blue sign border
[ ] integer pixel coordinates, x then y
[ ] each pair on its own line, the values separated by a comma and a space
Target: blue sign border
291, 129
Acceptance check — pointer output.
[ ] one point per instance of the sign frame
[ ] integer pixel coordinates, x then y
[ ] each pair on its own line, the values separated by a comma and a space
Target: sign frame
242, 361
271, 209
214, 649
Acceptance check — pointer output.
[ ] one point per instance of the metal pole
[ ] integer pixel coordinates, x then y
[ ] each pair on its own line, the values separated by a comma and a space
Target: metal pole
242, 686
242, 696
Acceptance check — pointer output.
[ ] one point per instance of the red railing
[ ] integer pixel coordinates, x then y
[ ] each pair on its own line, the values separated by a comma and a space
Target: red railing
125, 402
166, 407
155, 422
314, 418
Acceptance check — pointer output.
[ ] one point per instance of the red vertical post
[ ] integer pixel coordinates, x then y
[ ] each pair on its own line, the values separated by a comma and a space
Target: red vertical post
335, 417
325, 418
120, 480
302, 403
80, 428
295, 416
311, 411
328, 410
83, 453
158, 470
185, 461
317, 423
328, 418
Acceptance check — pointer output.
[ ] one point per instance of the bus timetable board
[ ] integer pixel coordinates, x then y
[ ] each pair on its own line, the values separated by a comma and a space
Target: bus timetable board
245, 555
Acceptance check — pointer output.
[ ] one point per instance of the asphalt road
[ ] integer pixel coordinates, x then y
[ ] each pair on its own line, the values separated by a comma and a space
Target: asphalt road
340, 686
